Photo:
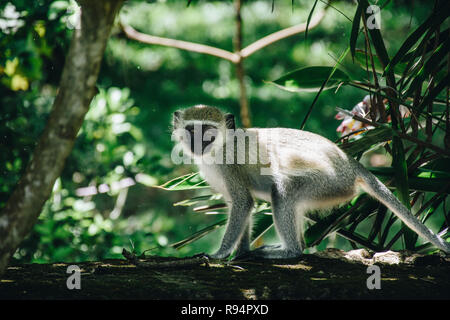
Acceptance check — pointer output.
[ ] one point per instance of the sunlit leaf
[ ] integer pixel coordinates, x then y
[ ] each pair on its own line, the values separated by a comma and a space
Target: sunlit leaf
212, 207
199, 234
195, 200
371, 137
186, 182
311, 79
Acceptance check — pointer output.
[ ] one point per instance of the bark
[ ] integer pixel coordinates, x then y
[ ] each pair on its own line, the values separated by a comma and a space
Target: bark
76, 90
240, 71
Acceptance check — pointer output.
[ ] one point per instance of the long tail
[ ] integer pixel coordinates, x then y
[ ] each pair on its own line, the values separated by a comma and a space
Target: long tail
370, 184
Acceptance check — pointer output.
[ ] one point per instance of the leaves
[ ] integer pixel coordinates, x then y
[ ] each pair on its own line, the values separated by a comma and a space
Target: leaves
311, 79
309, 18
361, 59
401, 182
186, 182
370, 138
199, 234
436, 18
355, 29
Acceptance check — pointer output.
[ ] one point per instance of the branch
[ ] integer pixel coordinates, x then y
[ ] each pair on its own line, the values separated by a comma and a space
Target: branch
282, 34
131, 33
157, 263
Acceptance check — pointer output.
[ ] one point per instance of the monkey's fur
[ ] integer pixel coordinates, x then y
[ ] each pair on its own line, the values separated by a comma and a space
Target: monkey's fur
306, 172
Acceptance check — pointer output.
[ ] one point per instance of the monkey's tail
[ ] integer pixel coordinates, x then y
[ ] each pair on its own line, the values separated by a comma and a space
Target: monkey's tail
374, 187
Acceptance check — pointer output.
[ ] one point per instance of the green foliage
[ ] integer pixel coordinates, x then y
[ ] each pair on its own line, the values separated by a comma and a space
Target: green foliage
31, 46
82, 223
187, 182
311, 79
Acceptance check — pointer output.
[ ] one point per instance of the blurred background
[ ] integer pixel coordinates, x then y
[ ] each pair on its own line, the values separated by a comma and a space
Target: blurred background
105, 200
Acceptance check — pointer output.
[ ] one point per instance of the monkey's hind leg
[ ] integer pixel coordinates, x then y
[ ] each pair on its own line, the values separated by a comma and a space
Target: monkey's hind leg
286, 224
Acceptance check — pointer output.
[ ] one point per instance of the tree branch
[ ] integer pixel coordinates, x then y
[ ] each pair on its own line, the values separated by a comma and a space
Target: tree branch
131, 33
282, 34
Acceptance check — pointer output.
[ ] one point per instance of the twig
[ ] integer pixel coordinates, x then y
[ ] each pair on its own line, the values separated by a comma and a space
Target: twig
181, 263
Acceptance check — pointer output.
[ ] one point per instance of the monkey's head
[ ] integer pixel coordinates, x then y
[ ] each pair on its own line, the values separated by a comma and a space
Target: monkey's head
200, 128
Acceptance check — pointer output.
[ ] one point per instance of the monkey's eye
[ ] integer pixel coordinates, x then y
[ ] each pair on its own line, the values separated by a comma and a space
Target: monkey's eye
190, 129
210, 135
207, 127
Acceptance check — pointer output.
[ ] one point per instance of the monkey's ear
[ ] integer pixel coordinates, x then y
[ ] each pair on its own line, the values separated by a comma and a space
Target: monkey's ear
229, 121
176, 119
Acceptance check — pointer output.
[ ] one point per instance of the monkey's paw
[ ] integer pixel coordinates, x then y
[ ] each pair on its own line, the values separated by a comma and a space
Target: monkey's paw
269, 252
219, 255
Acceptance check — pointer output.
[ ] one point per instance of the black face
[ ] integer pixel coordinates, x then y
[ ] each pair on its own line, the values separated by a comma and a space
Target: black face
201, 137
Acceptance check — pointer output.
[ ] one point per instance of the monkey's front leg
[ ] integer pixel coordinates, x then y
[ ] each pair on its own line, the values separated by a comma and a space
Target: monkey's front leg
287, 227
236, 227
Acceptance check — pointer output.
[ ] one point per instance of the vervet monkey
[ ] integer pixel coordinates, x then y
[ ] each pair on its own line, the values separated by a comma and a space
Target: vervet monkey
295, 170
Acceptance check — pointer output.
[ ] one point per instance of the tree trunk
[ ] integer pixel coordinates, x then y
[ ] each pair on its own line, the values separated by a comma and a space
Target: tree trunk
76, 90
240, 71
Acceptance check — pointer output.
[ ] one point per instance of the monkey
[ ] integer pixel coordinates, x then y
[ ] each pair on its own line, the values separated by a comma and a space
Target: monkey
295, 170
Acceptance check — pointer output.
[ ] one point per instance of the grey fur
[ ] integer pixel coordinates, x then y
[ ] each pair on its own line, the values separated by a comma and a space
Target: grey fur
307, 172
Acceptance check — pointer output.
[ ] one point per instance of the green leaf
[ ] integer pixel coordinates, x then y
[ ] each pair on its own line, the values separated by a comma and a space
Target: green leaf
325, 225
309, 19
424, 179
331, 74
311, 79
431, 65
195, 200
376, 37
355, 30
361, 56
378, 224
433, 20
401, 182
263, 222
199, 234
445, 82
211, 207
400, 171
377, 135
318, 231
186, 182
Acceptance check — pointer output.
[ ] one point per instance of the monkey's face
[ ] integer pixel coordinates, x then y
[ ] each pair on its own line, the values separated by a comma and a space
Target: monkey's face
200, 137
201, 129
